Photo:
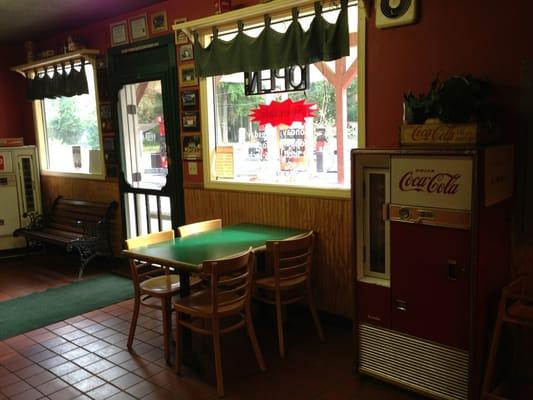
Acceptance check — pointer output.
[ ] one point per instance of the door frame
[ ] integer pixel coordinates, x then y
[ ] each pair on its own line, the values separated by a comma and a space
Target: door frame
163, 68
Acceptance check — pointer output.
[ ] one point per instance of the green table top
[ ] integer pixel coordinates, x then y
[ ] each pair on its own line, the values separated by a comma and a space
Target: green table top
189, 252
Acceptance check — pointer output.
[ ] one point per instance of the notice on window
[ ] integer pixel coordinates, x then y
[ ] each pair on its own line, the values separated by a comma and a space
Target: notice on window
292, 148
224, 162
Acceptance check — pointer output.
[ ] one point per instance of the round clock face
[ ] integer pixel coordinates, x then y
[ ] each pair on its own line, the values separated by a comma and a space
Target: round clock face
394, 8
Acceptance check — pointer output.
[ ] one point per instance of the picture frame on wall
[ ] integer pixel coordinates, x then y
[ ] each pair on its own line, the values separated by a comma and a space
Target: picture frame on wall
119, 33
186, 52
181, 37
191, 147
138, 27
105, 111
189, 98
187, 75
190, 120
158, 22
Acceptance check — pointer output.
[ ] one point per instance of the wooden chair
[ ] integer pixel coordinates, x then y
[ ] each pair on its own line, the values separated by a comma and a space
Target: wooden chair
146, 286
515, 309
229, 295
290, 282
197, 227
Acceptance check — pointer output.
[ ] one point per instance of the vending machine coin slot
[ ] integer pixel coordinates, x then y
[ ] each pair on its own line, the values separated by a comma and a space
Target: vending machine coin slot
452, 270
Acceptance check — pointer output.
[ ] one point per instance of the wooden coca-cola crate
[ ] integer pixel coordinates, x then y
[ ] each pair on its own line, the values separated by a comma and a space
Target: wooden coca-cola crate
439, 134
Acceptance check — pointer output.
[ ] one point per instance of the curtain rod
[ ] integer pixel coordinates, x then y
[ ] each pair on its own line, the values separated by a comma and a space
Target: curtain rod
281, 21
44, 64
251, 14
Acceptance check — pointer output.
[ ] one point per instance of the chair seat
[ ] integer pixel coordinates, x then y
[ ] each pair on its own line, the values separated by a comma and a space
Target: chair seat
161, 285
521, 311
201, 304
270, 284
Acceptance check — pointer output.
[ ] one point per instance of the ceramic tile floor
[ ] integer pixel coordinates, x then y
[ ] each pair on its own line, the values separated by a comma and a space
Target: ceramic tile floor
85, 357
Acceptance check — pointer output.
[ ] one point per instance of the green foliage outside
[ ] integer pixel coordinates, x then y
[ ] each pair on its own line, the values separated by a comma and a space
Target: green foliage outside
150, 107
69, 128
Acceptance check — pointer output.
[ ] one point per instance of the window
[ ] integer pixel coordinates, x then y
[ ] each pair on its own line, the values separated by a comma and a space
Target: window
303, 155
68, 132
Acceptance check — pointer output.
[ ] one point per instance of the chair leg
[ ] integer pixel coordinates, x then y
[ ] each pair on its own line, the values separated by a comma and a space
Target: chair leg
178, 345
134, 317
491, 362
314, 313
279, 319
253, 339
165, 309
218, 357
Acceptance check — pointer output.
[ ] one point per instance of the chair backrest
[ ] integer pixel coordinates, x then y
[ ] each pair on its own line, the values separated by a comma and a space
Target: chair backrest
198, 227
230, 280
145, 240
291, 258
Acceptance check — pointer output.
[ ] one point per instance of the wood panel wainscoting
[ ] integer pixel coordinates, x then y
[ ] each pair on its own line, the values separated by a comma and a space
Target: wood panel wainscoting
88, 190
331, 218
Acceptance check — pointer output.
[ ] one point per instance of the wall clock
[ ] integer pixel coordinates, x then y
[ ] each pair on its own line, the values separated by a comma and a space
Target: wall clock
391, 13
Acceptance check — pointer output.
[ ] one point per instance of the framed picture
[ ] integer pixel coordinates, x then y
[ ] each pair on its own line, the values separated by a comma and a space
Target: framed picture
187, 75
105, 111
189, 120
191, 147
185, 52
109, 143
189, 98
181, 37
158, 21
138, 27
119, 33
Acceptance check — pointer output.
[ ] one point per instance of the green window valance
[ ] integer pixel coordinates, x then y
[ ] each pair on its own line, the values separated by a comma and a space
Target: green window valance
323, 41
61, 83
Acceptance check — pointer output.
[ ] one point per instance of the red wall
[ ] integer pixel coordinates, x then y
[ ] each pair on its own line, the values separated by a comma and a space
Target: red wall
16, 117
486, 38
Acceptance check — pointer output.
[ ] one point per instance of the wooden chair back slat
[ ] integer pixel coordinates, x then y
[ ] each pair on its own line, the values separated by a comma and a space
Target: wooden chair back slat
198, 227
230, 280
291, 259
135, 265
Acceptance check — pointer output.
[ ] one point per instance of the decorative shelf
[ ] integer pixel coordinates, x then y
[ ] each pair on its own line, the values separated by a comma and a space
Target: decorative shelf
51, 61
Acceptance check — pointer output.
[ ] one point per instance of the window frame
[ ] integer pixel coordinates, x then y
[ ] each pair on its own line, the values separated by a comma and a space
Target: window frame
40, 136
206, 98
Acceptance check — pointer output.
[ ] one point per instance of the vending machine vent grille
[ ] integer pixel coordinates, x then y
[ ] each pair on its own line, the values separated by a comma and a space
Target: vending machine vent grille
27, 183
436, 370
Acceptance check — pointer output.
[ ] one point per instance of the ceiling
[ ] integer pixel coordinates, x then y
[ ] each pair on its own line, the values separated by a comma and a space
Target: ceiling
28, 19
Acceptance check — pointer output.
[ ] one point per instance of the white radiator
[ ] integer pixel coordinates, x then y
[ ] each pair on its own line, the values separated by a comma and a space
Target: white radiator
20, 192
429, 368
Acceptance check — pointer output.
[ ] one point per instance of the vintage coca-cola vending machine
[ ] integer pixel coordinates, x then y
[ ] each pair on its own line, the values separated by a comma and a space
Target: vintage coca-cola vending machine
432, 251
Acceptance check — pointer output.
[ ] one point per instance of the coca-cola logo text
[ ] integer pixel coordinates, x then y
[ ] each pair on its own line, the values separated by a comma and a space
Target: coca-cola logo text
440, 133
430, 181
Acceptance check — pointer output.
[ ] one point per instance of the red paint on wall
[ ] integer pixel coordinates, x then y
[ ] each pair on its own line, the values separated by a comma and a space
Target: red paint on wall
16, 117
484, 38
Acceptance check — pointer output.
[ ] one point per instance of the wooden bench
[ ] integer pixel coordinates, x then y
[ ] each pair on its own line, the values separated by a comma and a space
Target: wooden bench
75, 225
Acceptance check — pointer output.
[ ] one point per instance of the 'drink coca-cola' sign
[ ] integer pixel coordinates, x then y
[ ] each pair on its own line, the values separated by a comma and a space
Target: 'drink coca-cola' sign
439, 182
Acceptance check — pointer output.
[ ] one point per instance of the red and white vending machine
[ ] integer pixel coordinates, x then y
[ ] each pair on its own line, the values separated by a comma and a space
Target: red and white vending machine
432, 251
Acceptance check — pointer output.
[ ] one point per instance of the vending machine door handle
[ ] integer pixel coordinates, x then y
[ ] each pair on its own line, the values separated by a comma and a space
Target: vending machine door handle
400, 305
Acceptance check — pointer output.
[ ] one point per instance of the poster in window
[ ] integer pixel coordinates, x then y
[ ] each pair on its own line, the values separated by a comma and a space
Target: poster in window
292, 148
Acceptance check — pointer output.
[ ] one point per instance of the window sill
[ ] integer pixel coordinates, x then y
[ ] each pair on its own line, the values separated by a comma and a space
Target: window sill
74, 175
280, 189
